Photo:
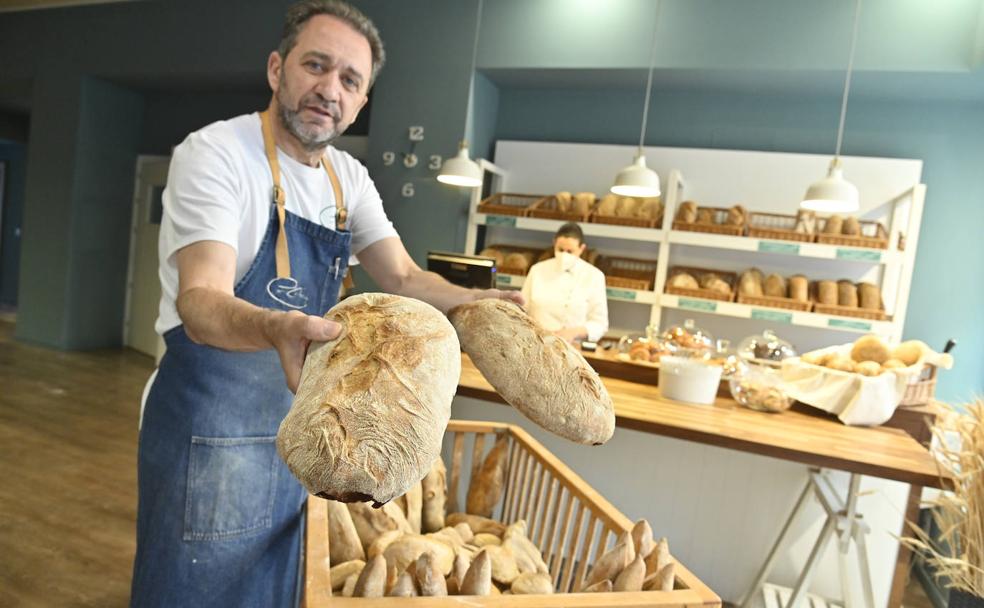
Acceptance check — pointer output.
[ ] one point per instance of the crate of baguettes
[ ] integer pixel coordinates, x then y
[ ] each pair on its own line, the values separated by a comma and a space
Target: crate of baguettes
704, 283
774, 290
628, 211
730, 221
847, 299
504, 203
512, 259
851, 232
564, 206
776, 226
629, 273
528, 526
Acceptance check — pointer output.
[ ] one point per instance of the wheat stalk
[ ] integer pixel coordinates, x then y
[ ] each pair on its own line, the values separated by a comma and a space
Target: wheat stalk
959, 514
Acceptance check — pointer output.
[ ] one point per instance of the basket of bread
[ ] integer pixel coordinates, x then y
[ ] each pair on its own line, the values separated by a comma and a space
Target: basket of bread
862, 382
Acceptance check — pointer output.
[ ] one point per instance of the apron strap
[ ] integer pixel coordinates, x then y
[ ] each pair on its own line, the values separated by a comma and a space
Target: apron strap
341, 213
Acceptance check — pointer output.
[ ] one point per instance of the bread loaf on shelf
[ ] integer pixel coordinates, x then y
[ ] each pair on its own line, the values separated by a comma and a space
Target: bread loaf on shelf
827, 293
687, 213
799, 288
775, 286
847, 294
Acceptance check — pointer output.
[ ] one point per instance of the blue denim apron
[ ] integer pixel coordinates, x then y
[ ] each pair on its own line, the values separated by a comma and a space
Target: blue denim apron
220, 516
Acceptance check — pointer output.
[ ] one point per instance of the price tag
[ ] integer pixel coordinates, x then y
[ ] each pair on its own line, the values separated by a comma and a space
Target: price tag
859, 255
774, 247
844, 324
503, 279
702, 305
621, 294
500, 220
772, 315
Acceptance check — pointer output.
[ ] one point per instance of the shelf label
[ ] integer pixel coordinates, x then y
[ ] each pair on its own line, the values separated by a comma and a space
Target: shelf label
504, 279
858, 255
774, 247
500, 220
772, 315
621, 294
844, 324
703, 305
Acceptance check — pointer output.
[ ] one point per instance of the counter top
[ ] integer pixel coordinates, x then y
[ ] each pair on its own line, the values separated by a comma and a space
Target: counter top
812, 439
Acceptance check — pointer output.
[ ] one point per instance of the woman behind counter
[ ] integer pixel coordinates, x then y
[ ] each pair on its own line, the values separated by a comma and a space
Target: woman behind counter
565, 294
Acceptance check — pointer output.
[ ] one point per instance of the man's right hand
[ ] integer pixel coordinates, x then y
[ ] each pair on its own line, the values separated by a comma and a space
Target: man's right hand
291, 333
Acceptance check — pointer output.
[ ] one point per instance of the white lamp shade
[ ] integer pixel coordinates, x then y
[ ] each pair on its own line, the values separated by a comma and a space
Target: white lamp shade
832, 194
461, 171
637, 180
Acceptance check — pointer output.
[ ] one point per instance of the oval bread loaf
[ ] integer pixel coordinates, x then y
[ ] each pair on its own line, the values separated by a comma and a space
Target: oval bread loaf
373, 404
538, 373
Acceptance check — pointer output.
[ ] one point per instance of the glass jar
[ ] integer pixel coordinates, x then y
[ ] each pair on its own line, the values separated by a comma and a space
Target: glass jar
689, 340
641, 348
766, 348
759, 387
727, 357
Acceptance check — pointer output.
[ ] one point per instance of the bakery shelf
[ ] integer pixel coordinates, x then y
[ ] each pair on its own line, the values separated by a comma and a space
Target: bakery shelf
775, 315
614, 293
632, 233
810, 250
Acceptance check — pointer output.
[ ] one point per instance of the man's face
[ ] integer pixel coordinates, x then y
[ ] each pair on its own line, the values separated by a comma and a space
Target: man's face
568, 244
322, 83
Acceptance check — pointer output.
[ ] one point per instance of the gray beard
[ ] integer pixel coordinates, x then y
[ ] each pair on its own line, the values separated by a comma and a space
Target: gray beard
310, 138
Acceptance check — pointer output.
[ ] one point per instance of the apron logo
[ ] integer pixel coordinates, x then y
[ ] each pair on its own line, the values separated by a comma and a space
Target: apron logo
288, 292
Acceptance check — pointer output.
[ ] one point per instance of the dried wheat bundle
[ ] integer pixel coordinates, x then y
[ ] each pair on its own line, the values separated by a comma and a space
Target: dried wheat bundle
960, 512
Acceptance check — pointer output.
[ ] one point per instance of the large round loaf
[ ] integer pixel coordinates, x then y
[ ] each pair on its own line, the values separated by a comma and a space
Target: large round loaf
536, 372
373, 404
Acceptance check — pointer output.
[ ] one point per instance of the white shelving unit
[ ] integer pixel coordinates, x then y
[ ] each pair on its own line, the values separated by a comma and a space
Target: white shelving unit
891, 192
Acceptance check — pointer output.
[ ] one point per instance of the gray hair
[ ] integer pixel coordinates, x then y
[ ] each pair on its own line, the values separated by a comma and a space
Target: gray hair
299, 13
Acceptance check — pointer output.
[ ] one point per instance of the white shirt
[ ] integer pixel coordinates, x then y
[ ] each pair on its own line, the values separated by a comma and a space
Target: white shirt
219, 189
559, 299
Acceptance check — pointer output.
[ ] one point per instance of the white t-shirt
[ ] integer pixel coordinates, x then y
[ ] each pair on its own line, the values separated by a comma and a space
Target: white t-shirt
560, 299
219, 189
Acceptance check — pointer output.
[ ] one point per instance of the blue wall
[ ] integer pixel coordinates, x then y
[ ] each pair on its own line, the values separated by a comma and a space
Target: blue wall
948, 286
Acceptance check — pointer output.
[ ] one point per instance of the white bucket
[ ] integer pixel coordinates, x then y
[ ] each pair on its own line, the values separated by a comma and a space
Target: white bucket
689, 380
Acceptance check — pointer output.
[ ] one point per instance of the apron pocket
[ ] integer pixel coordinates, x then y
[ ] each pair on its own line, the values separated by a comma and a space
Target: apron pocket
230, 486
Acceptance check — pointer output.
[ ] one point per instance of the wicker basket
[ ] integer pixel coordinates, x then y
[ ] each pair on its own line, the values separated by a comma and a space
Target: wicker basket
922, 390
850, 311
720, 214
776, 226
618, 220
507, 249
873, 235
503, 203
546, 208
567, 519
776, 302
730, 278
629, 273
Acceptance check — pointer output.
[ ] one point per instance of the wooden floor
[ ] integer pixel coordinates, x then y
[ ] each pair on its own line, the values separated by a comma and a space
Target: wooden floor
68, 442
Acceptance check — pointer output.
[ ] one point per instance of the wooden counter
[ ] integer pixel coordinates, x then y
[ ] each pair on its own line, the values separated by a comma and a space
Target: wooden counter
812, 439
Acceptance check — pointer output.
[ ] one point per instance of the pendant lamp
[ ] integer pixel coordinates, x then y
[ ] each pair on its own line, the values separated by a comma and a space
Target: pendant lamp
461, 170
637, 179
834, 194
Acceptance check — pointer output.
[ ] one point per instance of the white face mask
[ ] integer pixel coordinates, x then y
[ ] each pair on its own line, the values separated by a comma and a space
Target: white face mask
565, 261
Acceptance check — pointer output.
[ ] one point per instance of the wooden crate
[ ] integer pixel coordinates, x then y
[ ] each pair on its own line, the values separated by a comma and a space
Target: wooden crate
629, 273
776, 302
720, 214
618, 220
567, 519
776, 226
873, 235
730, 278
850, 311
504, 203
546, 208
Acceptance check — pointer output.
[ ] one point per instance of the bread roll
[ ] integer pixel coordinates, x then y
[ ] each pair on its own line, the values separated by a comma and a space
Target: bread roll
611, 563
841, 363
833, 225
484, 538
405, 586
372, 579
799, 288
736, 216
649, 209
348, 588
340, 573
430, 579
478, 524
910, 352
563, 201
372, 523
372, 406
504, 568
847, 294
827, 293
405, 550
806, 222
382, 541
604, 586
478, 578
345, 545
683, 280
582, 202
528, 557
715, 283
893, 364
750, 283
532, 583
497, 255
687, 213
659, 557
485, 488
607, 204
851, 227
775, 286
626, 206
868, 368
434, 496
642, 538
870, 296
539, 374
412, 505
705, 216
630, 579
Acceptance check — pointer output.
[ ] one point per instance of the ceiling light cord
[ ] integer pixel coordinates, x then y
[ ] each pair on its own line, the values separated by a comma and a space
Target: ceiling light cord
474, 63
847, 78
649, 80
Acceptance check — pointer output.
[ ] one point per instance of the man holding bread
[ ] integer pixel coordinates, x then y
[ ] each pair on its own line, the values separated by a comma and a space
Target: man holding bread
261, 218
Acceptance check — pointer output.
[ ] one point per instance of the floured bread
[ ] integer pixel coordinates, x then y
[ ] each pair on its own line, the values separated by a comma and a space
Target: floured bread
539, 374
373, 404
